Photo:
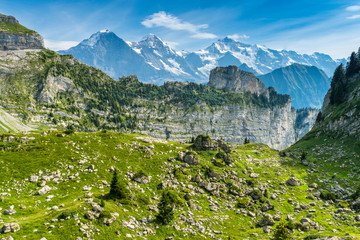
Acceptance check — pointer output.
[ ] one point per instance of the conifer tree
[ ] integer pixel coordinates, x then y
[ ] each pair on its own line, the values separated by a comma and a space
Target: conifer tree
352, 65
118, 188
338, 86
166, 208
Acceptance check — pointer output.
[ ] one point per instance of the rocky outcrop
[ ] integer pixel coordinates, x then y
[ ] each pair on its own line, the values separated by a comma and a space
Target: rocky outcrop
13, 36
273, 126
233, 79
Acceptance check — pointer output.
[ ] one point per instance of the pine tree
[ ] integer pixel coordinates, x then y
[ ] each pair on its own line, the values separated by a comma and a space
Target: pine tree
338, 86
166, 208
352, 66
118, 188
246, 141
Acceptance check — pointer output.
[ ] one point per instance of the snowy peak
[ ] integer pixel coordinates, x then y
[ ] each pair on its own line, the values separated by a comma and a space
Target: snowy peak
94, 38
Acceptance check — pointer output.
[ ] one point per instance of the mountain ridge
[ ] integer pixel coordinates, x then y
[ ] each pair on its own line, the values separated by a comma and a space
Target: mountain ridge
307, 85
195, 66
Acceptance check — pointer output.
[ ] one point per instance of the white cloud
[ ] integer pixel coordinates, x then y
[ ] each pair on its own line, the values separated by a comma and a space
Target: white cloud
204, 35
354, 17
353, 8
59, 45
172, 44
163, 19
238, 37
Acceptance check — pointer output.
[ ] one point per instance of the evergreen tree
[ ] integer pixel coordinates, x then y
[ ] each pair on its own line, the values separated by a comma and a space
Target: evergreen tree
166, 208
281, 232
353, 65
118, 188
338, 86
246, 141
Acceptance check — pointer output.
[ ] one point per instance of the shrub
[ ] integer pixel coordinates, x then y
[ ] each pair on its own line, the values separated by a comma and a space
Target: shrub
118, 188
67, 213
243, 202
139, 174
343, 204
105, 214
142, 199
326, 195
281, 232
166, 208
102, 203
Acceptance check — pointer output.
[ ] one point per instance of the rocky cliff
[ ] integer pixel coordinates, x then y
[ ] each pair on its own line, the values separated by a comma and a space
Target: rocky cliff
233, 79
45, 88
14, 36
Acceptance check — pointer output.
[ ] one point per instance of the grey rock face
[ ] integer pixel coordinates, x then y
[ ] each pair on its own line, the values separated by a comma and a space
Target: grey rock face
234, 79
273, 126
10, 19
19, 41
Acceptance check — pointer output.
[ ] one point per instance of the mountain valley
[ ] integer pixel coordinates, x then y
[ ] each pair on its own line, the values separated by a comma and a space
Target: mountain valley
85, 156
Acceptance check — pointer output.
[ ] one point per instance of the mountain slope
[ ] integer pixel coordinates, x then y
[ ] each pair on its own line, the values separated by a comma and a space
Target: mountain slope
333, 145
307, 85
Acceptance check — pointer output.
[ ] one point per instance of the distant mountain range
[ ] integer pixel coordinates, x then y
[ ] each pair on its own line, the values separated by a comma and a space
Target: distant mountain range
153, 61
307, 85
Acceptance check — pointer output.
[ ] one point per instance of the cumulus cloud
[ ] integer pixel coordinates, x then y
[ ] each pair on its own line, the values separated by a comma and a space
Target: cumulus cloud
163, 19
353, 8
354, 17
238, 37
59, 45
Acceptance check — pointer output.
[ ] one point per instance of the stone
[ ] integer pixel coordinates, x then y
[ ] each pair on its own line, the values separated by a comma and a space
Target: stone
293, 181
203, 142
10, 227
267, 229
254, 175
190, 159
44, 190
33, 178
266, 220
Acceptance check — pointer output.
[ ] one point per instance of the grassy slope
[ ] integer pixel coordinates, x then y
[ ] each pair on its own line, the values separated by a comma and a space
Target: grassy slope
51, 153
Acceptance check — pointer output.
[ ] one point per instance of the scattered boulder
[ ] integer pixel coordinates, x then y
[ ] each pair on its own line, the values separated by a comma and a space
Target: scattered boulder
224, 146
267, 220
293, 181
191, 159
203, 142
10, 227
44, 190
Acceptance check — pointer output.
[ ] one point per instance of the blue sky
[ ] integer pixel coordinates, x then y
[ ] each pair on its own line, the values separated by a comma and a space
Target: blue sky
306, 26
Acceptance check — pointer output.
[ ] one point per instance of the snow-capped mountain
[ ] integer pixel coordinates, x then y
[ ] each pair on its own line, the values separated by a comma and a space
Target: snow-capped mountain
153, 61
261, 59
150, 59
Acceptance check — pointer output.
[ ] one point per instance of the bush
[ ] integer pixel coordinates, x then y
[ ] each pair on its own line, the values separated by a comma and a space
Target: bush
67, 213
102, 203
326, 195
142, 199
243, 202
166, 208
139, 174
105, 214
281, 232
118, 188
343, 204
